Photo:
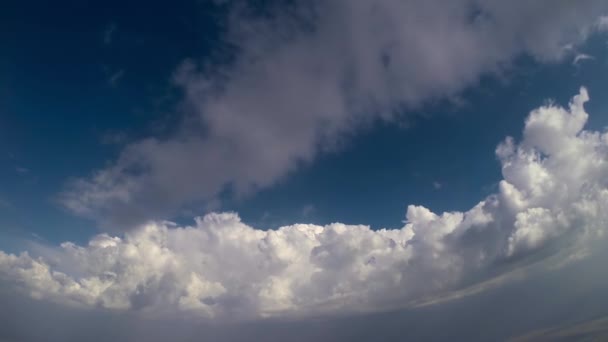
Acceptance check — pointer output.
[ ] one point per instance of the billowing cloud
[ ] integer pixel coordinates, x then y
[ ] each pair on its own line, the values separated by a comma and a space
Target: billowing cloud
551, 204
307, 77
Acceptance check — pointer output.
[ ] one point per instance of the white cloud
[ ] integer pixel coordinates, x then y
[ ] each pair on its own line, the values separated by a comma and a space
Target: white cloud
305, 79
581, 57
552, 201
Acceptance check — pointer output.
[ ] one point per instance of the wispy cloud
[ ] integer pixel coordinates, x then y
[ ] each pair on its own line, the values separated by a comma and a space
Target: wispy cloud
116, 77
305, 80
580, 57
602, 23
113, 138
5, 204
108, 33
22, 170
308, 210
594, 330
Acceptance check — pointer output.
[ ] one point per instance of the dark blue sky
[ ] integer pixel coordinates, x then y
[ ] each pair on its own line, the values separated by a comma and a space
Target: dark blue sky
79, 81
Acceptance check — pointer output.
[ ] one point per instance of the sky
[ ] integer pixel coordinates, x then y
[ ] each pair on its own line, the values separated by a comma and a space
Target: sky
297, 170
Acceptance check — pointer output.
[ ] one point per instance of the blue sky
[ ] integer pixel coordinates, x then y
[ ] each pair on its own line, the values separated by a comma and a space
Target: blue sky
113, 115
59, 107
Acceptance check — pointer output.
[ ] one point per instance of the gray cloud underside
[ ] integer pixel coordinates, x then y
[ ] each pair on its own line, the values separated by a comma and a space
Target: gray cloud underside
551, 206
306, 79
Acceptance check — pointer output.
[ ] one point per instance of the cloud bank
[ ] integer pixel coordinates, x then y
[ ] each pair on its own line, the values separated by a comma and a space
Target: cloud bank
552, 202
305, 78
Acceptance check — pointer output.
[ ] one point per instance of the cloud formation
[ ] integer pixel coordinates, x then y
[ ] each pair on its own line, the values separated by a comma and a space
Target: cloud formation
553, 201
108, 33
307, 77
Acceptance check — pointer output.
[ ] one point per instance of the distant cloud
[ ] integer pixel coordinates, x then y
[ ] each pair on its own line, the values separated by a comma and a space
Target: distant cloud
22, 170
581, 57
308, 210
113, 138
551, 204
437, 185
602, 23
305, 80
594, 330
116, 77
108, 33
5, 204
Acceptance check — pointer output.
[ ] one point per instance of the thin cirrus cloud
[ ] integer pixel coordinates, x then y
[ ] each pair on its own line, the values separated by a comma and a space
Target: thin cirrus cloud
551, 205
307, 78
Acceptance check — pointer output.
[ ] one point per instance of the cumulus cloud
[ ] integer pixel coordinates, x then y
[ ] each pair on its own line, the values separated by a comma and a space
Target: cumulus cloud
305, 78
552, 202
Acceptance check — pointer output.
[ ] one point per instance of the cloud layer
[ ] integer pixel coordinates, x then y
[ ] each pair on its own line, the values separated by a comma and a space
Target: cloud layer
553, 201
305, 78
